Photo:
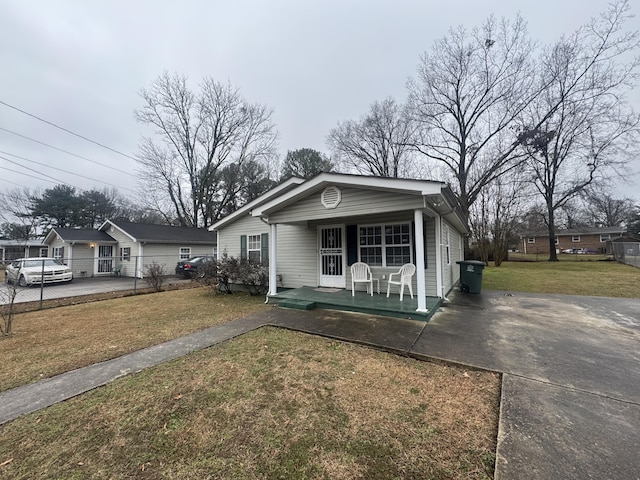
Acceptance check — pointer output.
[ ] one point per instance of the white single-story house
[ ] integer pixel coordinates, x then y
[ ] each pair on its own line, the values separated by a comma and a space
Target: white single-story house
310, 232
127, 248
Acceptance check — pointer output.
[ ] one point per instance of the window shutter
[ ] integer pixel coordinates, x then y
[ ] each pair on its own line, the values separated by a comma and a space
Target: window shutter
352, 244
264, 248
243, 246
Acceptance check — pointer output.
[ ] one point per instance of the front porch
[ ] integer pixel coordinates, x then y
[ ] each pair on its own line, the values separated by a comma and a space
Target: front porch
307, 298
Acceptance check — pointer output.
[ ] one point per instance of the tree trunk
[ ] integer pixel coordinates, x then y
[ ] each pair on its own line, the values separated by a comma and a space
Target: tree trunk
553, 256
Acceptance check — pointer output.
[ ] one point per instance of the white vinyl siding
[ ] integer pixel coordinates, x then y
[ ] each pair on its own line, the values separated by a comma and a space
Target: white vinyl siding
354, 202
229, 236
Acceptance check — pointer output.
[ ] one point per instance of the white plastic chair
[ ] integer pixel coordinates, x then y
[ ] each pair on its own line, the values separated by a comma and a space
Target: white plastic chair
405, 274
361, 273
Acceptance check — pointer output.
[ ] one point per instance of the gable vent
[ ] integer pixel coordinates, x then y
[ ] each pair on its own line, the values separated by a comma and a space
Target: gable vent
331, 197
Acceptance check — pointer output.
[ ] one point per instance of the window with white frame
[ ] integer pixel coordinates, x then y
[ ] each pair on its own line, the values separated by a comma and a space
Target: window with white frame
575, 238
385, 245
447, 245
57, 252
531, 240
125, 254
605, 237
185, 253
556, 240
254, 248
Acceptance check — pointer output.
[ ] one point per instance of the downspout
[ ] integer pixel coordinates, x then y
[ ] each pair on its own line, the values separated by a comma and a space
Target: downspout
273, 259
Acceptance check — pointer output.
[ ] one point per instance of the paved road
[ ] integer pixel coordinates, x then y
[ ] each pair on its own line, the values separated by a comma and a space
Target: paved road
80, 286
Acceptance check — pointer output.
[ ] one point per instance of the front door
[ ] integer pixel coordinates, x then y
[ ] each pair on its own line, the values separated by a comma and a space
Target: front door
105, 258
331, 256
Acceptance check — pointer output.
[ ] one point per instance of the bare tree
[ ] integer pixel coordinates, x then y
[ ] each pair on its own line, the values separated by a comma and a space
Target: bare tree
8, 295
470, 89
16, 212
199, 133
605, 210
378, 144
496, 215
584, 130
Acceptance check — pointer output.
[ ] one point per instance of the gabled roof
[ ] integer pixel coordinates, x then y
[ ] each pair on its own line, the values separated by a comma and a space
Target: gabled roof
79, 235
437, 195
151, 233
322, 180
246, 209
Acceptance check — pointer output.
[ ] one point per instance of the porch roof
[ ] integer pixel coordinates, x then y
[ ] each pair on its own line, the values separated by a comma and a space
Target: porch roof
437, 196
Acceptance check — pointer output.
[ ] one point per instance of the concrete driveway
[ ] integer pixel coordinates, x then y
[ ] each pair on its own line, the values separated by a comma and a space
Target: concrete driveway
571, 385
82, 286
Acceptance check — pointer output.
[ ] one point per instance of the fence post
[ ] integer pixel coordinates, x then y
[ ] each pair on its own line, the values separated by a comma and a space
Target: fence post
41, 284
135, 276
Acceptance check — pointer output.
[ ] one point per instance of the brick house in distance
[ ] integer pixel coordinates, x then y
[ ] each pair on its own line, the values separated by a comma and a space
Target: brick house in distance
576, 240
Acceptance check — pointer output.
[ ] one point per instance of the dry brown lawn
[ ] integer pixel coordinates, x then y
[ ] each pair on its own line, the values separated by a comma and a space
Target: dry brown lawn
270, 404
56, 340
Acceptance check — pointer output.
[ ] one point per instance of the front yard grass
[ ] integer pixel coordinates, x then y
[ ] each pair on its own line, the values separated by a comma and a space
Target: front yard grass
56, 340
569, 277
269, 404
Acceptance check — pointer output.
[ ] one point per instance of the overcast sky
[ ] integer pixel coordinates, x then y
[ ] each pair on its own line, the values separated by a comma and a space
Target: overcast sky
81, 64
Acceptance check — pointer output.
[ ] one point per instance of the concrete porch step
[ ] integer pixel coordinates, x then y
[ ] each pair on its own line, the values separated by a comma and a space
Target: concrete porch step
297, 304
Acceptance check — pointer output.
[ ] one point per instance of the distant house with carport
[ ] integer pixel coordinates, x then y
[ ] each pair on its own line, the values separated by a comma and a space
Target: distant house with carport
127, 247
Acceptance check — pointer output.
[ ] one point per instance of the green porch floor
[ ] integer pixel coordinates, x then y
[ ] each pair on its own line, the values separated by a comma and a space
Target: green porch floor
306, 298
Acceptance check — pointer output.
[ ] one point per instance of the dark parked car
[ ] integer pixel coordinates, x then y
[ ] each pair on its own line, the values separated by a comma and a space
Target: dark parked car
189, 268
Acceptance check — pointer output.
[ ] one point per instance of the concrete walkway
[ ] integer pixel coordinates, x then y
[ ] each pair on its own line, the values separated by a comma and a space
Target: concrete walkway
571, 372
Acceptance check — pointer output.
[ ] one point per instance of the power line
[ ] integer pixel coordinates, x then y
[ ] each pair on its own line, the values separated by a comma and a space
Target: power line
12, 183
59, 169
36, 171
32, 176
67, 130
65, 151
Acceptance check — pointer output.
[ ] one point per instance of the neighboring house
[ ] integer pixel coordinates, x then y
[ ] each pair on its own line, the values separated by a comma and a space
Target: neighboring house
583, 240
127, 247
12, 249
310, 232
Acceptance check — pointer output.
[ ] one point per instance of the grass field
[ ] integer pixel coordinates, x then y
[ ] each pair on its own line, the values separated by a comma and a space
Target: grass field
269, 404
56, 340
568, 276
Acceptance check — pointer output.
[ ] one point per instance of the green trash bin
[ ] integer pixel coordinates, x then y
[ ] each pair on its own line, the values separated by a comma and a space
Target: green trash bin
471, 275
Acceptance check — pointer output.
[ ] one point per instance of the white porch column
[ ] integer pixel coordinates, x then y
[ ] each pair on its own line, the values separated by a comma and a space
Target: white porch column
273, 259
439, 284
419, 228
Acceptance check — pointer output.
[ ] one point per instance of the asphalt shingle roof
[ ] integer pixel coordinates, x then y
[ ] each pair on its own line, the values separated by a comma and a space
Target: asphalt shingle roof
83, 235
145, 232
